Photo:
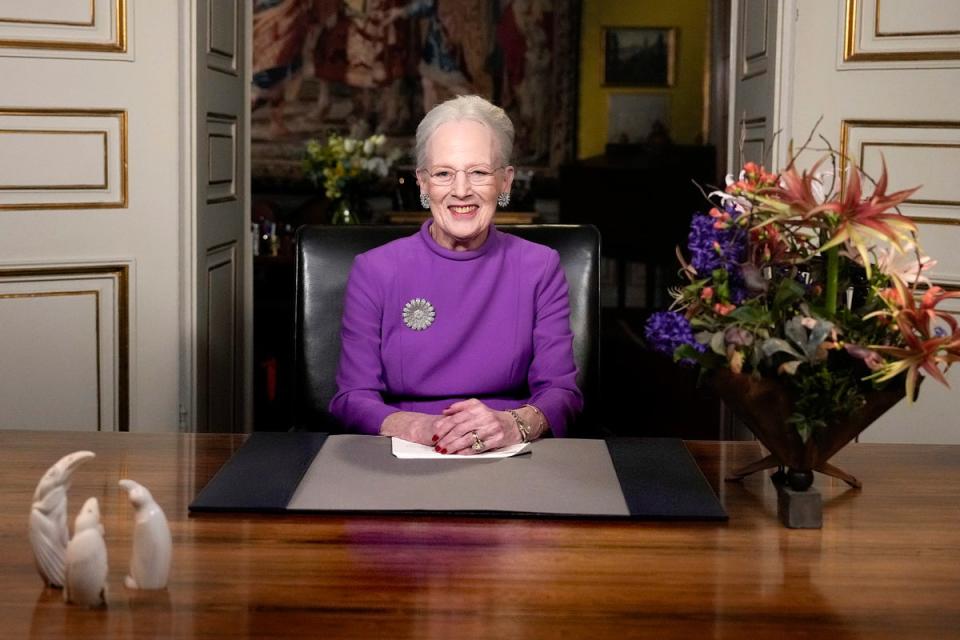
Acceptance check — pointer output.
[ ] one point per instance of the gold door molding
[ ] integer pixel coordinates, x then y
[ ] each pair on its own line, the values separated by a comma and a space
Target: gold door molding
108, 285
916, 152
91, 26
936, 141
47, 160
865, 38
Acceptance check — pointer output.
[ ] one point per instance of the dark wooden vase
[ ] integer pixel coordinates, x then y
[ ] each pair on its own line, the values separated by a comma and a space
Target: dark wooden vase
764, 405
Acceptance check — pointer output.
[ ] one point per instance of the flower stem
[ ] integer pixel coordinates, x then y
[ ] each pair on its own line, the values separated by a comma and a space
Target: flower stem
832, 277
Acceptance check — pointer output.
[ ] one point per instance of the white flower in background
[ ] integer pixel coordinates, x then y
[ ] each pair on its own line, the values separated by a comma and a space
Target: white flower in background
908, 265
349, 144
376, 165
368, 146
741, 204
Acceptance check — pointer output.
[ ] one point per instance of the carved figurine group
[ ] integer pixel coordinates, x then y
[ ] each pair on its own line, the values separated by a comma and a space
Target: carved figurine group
78, 565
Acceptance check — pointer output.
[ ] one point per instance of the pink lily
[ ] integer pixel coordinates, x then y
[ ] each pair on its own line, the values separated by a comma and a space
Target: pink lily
862, 218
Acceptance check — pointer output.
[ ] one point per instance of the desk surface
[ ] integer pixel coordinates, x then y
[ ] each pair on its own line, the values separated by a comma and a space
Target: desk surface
886, 564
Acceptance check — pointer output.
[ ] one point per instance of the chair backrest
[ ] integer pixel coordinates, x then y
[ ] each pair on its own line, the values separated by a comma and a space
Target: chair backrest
324, 257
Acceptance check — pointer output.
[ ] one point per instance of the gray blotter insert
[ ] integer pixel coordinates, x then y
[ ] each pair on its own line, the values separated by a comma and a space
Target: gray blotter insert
359, 473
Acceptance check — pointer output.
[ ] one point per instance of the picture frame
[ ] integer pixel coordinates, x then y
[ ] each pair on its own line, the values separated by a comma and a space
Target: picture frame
639, 56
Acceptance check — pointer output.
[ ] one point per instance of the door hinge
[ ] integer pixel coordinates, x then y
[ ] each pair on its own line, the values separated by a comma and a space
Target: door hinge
183, 419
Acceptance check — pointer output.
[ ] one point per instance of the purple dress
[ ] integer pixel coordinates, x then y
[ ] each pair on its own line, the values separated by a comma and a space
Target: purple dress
501, 332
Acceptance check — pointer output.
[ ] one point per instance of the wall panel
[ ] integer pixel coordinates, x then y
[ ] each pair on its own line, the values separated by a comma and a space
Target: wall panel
920, 32
222, 35
221, 158
925, 153
221, 353
63, 159
64, 25
64, 347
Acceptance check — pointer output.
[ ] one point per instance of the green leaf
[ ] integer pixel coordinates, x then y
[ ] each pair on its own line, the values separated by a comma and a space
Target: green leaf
717, 344
773, 346
708, 359
788, 291
748, 314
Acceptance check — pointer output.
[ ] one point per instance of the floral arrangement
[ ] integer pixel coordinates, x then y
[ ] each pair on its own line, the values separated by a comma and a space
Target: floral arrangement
346, 166
793, 278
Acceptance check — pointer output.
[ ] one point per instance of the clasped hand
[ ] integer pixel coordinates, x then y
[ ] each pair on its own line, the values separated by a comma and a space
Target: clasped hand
455, 431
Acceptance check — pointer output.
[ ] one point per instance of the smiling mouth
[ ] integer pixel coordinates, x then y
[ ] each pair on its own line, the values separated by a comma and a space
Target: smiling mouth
463, 210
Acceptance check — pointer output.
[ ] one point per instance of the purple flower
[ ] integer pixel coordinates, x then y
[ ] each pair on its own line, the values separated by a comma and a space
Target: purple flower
715, 243
715, 248
667, 330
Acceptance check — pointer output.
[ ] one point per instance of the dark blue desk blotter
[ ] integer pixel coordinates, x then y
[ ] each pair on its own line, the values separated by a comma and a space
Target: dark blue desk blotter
262, 475
661, 480
658, 479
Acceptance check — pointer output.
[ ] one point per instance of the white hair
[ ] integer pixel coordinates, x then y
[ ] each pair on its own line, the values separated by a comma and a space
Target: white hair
467, 108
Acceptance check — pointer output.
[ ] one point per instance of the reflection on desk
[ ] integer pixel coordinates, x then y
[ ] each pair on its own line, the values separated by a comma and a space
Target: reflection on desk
886, 563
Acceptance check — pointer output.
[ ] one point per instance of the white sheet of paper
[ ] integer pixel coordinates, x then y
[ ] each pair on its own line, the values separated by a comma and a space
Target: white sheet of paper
412, 451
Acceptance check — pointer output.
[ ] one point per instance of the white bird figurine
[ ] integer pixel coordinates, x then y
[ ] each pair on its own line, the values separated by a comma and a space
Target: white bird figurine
48, 517
86, 559
152, 547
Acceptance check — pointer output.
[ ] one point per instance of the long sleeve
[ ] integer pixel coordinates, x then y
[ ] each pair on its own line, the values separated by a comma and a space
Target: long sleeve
501, 332
552, 374
358, 403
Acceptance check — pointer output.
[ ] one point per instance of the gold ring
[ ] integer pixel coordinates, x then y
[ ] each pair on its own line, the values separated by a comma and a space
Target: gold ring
478, 444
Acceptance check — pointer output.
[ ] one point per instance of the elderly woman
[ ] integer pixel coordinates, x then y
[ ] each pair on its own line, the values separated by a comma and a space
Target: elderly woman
458, 336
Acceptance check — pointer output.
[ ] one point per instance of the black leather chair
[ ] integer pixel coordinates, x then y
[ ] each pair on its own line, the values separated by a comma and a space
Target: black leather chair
324, 257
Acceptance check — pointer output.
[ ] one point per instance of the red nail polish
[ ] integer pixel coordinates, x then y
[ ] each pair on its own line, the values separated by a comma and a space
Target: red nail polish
437, 449
443, 450
435, 438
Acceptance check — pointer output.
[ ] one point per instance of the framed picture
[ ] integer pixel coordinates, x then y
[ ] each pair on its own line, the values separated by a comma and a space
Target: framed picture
639, 56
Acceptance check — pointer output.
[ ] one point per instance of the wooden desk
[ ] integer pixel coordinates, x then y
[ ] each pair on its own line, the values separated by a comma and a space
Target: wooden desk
886, 564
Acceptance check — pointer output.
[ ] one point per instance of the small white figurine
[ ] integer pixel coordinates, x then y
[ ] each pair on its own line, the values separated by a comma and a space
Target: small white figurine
86, 559
48, 517
150, 561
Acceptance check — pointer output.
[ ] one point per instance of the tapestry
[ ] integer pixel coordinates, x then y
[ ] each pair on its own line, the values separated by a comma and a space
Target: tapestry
359, 67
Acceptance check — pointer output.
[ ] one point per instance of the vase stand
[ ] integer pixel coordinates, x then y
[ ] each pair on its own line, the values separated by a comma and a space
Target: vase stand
798, 509
770, 462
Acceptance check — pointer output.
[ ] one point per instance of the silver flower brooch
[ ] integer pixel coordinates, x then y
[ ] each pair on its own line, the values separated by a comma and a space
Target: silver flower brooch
418, 314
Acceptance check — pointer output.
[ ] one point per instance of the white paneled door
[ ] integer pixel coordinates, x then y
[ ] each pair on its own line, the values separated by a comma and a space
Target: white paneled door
99, 221
884, 80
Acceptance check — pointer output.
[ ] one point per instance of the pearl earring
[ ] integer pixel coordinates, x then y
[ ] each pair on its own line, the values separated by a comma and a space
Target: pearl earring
424, 200
503, 199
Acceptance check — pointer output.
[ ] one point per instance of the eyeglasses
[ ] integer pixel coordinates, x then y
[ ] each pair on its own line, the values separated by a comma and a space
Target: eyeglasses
477, 176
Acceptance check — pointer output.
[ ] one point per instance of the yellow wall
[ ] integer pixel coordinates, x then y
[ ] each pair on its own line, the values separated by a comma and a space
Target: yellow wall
690, 17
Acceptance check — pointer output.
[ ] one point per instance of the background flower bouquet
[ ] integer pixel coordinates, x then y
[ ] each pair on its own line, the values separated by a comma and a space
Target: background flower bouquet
348, 169
812, 290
